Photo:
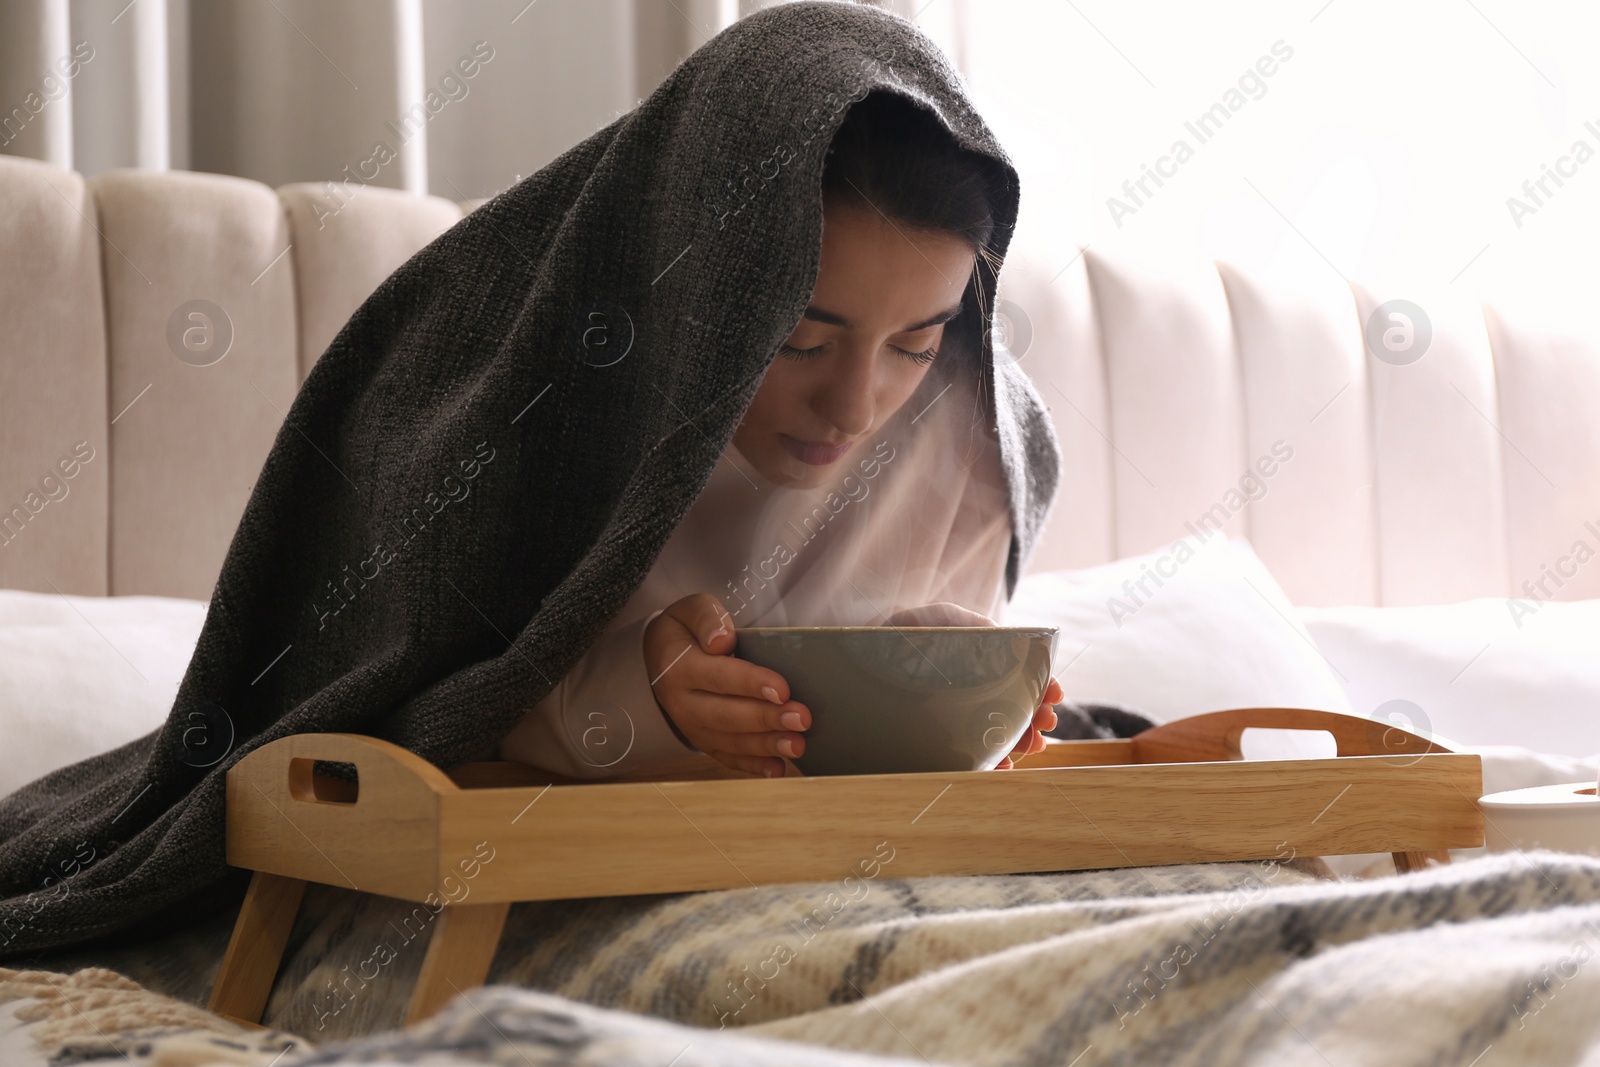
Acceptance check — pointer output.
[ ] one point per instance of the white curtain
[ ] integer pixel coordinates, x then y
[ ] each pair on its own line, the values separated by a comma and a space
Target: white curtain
459, 98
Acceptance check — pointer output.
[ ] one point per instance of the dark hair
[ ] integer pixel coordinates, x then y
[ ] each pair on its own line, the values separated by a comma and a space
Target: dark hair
895, 156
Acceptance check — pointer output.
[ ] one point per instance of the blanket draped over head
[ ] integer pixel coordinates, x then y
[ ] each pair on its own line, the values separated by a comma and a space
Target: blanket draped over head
470, 483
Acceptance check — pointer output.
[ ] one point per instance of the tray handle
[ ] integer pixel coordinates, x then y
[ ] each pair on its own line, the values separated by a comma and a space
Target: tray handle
1215, 736
387, 776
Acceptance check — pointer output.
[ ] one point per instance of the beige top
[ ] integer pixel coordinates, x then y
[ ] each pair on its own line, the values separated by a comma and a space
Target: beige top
914, 515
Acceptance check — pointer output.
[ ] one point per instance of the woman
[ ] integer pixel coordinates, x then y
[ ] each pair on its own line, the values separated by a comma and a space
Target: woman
865, 409
479, 475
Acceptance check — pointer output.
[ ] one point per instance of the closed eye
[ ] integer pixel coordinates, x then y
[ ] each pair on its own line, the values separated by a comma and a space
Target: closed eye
925, 356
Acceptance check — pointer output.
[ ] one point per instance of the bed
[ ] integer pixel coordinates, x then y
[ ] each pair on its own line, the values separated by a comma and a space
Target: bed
1250, 963
1411, 556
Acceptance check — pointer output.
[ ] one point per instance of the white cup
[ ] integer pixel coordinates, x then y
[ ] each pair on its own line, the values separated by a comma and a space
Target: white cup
1564, 817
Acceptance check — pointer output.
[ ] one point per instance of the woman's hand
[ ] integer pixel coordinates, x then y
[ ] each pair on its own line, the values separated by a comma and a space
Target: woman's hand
947, 614
732, 710
1044, 718
943, 613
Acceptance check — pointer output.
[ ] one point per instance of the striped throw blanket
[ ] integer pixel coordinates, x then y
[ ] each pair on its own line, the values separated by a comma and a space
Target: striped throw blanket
1491, 961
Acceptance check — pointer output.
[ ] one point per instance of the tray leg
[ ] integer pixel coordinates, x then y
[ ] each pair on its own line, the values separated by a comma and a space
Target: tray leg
250, 966
459, 953
1418, 861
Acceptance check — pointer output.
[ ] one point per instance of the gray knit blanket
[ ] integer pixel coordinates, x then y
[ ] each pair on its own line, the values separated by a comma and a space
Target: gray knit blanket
462, 497
1490, 961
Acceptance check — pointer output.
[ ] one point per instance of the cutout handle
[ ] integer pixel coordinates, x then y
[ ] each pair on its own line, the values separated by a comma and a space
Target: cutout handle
1215, 736
1266, 742
308, 785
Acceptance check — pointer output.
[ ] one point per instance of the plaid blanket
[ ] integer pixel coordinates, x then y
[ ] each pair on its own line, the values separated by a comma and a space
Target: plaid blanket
1480, 963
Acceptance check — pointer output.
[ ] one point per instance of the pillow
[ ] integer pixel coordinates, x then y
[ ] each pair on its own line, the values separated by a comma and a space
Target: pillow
1507, 767
1201, 626
1479, 673
81, 675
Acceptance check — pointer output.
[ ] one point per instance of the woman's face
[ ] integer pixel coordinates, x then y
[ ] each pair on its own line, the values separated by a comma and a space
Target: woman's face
862, 346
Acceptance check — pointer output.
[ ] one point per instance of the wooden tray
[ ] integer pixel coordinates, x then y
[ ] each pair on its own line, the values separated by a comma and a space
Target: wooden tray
472, 842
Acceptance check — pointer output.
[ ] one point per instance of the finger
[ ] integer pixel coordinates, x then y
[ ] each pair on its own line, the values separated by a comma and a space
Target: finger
765, 744
1044, 718
1025, 747
704, 616
733, 676
1004, 765
741, 715
691, 669
943, 613
1053, 693
767, 768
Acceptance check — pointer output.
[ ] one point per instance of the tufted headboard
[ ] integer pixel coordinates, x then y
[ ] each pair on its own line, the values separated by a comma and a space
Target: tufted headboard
1183, 401
96, 276
1465, 463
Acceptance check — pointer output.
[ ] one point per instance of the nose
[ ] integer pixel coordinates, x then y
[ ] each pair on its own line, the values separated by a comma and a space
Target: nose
847, 399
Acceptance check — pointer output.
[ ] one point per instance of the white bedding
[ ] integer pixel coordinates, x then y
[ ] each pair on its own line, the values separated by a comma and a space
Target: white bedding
81, 675
1484, 672
1202, 626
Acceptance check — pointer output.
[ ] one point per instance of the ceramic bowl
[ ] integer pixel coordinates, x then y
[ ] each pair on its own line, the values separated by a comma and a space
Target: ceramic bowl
891, 700
1561, 817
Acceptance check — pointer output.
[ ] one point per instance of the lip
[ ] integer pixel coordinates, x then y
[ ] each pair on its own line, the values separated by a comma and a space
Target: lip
814, 454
